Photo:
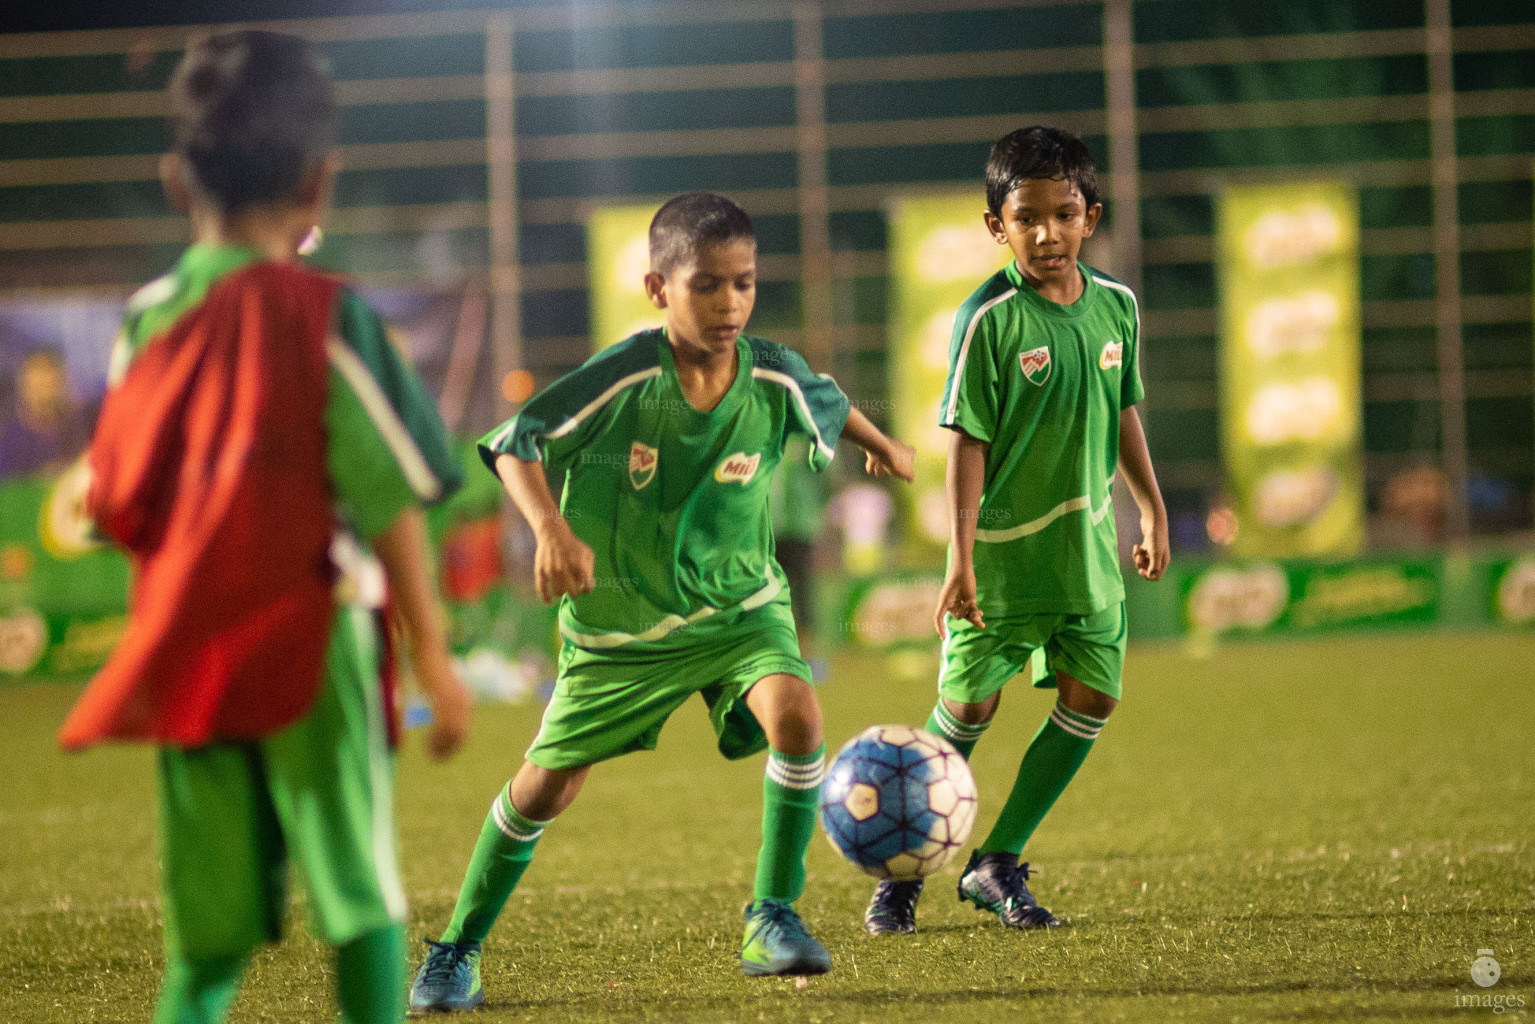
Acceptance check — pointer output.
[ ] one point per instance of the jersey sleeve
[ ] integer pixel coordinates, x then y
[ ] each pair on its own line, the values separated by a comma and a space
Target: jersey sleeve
818, 408
562, 418
387, 449
971, 393
1131, 390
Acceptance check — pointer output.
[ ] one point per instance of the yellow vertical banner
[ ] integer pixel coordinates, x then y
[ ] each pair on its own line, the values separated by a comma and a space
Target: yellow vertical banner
940, 252
617, 257
1291, 418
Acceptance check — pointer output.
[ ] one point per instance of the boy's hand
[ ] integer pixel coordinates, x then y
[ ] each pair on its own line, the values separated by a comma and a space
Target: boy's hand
450, 701
1151, 554
894, 459
957, 599
563, 563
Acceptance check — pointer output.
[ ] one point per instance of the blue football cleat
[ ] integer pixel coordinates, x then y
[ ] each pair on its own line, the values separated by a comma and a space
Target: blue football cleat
776, 943
449, 978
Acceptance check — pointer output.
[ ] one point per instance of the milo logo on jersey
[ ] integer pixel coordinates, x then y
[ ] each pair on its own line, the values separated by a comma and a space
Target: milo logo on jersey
642, 464
1113, 355
738, 468
1036, 364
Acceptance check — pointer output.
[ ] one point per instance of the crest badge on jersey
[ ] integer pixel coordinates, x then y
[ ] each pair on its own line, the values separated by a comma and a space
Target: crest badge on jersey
1113, 355
642, 464
1036, 364
738, 468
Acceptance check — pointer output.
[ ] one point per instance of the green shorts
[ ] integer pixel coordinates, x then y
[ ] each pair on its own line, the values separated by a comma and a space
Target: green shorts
979, 662
614, 701
320, 793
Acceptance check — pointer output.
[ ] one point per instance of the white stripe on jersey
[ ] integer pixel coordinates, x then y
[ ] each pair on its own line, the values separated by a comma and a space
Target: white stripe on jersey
958, 376
602, 641
384, 418
1134, 302
792, 386
1066, 507
601, 400
581, 414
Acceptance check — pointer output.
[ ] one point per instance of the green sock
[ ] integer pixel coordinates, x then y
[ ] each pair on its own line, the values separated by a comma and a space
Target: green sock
198, 991
1058, 750
500, 857
790, 791
370, 977
964, 735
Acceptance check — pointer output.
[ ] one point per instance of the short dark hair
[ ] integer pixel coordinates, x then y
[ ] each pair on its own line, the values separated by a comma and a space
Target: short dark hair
687, 223
1038, 152
250, 113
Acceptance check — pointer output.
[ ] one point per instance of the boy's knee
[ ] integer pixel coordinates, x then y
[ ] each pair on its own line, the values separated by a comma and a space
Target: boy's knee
1083, 699
796, 730
974, 714
542, 793
792, 717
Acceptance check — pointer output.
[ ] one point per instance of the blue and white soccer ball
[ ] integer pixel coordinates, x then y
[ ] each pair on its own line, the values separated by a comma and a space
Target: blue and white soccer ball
898, 802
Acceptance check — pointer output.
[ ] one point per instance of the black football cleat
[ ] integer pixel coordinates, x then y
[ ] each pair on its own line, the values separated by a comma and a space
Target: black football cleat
998, 883
893, 909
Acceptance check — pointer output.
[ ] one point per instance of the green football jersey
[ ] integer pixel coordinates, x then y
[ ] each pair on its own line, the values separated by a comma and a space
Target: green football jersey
672, 501
1044, 384
386, 448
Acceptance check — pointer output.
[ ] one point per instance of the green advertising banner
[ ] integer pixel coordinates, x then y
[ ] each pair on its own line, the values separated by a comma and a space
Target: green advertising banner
1289, 367
617, 258
62, 595
940, 252
1203, 599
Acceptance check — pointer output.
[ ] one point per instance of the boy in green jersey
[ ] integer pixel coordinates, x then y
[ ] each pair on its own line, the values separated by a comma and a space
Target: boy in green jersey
660, 553
1043, 381
274, 451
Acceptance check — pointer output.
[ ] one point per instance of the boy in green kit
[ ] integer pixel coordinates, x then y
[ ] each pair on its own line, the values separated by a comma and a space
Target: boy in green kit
260, 443
1044, 376
660, 553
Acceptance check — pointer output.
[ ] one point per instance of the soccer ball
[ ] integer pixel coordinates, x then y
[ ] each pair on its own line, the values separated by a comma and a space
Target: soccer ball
898, 802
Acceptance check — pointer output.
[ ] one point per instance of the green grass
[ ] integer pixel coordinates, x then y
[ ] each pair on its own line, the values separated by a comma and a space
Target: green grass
1277, 832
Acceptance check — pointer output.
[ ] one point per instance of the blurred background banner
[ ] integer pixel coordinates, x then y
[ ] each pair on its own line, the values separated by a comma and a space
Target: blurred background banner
617, 257
940, 252
61, 593
1289, 358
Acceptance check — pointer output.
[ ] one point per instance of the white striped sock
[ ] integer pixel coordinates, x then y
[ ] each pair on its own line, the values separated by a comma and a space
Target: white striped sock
954, 729
795, 774
1074, 724
503, 812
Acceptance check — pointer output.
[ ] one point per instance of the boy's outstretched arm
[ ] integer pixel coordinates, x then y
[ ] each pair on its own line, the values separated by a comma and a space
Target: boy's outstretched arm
1151, 554
883, 455
963, 481
407, 560
563, 563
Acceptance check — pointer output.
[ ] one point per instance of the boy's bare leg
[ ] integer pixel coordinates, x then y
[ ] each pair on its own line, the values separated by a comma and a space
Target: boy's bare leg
1083, 699
543, 793
786, 708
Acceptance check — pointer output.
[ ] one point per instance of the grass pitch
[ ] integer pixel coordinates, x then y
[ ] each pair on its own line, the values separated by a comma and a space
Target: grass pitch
1309, 831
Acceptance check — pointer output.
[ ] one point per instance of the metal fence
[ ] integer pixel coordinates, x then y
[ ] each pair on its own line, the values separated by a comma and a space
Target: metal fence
476, 142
